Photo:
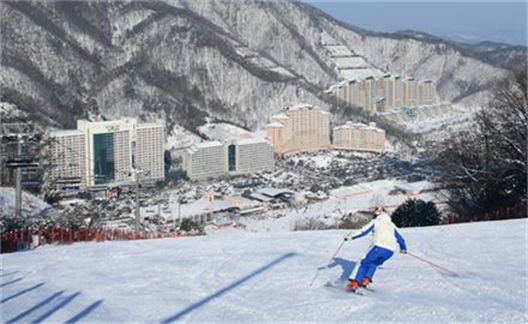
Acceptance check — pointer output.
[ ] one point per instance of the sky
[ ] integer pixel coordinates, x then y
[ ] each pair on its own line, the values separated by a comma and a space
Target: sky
469, 21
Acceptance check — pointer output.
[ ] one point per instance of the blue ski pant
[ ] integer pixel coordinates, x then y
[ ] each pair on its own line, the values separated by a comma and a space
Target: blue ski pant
374, 258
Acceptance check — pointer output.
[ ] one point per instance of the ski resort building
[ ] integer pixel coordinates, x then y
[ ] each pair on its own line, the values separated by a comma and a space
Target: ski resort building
68, 156
380, 94
231, 157
299, 128
204, 160
103, 153
150, 138
359, 137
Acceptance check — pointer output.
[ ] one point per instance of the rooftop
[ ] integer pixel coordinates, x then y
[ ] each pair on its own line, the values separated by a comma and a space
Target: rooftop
350, 125
299, 106
65, 132
247, 141
274, 192
280, 116
223, 131
197, 146
151, 124
275, 125
208, 144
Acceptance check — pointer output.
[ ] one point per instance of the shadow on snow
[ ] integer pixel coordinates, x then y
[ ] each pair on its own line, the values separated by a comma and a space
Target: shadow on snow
21, 293
226, 289
346, 267
53, 303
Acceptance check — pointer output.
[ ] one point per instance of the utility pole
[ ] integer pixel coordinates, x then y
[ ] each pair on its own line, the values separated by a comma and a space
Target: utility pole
179, 212
137, 199
18, 192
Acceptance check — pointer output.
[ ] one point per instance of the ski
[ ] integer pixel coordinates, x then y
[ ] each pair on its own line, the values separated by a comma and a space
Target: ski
356, 292
341, 286
368, 289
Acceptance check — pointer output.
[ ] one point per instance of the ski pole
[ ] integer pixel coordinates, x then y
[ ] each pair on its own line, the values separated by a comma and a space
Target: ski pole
318, 269
337, 251
433, 264
314, 277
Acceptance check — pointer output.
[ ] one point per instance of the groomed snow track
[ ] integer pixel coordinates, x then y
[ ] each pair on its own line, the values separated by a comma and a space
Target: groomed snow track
248, 277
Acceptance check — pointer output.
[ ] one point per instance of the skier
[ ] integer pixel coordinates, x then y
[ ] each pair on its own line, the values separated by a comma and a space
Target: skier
385, 241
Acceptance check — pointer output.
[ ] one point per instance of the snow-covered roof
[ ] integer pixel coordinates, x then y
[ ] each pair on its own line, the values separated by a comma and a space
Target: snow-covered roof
157, 124
273, 192
224, 131
260, 197
248, 141
260, 134
203, 206
208, 144
65, 132
197, 146
299, 106
350, 124
275, 124
280, 116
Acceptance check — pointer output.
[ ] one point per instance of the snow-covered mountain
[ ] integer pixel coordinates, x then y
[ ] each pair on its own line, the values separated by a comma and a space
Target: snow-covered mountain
265, 277
184, 60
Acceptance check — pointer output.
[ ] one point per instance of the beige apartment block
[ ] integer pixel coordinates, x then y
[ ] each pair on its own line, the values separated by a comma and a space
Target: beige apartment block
299, 128
426, 92
391, 91
110, 150
359, 137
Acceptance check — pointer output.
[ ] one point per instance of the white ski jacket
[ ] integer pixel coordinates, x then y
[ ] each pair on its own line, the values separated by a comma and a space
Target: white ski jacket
384, 233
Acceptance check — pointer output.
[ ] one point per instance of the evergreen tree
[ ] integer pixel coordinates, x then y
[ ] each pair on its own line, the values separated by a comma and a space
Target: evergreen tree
416, 212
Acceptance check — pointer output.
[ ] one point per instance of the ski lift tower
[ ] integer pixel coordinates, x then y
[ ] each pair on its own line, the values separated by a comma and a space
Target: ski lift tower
19, 134
137, 172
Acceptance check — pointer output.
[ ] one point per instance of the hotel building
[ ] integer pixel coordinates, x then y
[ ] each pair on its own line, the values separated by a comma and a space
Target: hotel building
234, 156
359, 137
102, 153
299, 128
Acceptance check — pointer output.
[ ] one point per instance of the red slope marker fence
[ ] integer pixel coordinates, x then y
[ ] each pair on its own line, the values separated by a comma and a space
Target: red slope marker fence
24, 239
509, 212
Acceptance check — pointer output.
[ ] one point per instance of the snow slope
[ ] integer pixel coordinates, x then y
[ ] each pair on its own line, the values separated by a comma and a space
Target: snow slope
265, 277
31, 205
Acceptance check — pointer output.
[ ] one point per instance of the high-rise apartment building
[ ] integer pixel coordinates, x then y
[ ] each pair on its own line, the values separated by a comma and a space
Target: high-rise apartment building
234, 156
150, 138
205, 160
101, 153
359, 137
68, 156
299, 128
380, 94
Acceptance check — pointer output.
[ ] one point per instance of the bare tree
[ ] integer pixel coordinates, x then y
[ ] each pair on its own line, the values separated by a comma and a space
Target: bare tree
484, 168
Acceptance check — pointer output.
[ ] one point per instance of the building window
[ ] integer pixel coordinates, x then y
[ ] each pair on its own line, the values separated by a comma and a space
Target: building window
104, 160
231, 156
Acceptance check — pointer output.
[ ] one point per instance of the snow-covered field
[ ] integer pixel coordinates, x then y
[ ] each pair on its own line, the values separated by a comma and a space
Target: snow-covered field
241, 276
344, 200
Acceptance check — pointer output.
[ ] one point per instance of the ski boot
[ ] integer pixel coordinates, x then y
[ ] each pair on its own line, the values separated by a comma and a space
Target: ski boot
365, 282
352, 286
